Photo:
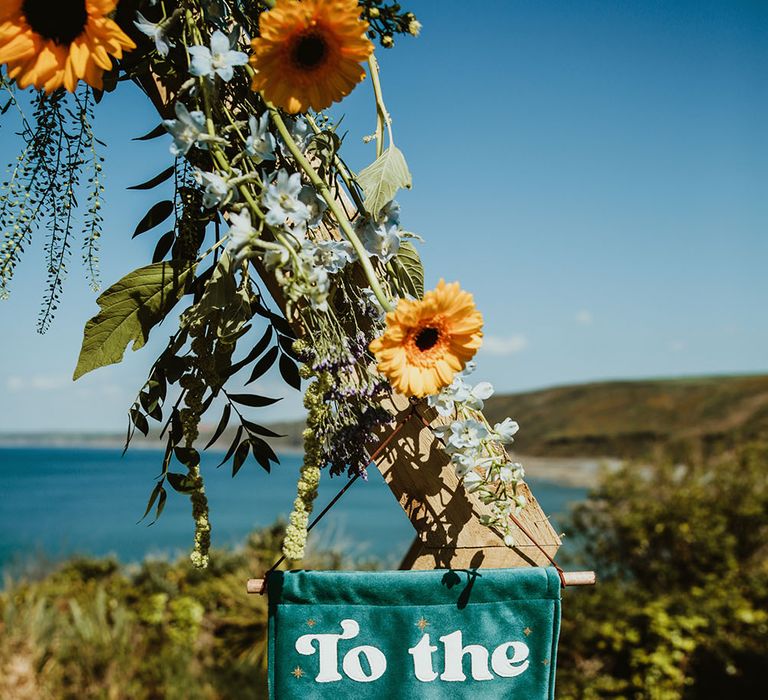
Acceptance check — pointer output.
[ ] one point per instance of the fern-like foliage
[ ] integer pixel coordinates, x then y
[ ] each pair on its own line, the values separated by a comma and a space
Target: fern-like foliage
58, 161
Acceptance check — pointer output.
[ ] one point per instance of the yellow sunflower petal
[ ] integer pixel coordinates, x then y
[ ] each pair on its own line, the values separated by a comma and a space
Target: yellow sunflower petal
423, 346
33, 56
307, 54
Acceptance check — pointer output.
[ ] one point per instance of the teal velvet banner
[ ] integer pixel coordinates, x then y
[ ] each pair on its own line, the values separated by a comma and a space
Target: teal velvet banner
485, 633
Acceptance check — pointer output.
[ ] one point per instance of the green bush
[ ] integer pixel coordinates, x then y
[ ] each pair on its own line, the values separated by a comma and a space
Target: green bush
681, 609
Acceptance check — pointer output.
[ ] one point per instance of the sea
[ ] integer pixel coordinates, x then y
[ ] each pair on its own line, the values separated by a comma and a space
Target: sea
56, 502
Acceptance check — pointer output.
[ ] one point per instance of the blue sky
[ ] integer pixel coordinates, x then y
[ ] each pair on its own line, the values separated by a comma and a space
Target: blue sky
595, 172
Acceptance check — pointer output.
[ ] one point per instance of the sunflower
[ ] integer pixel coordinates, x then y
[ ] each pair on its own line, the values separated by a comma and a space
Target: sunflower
427, 341
50, 44
308, 53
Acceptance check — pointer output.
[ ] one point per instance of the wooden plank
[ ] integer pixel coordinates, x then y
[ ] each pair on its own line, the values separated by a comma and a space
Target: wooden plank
445, 516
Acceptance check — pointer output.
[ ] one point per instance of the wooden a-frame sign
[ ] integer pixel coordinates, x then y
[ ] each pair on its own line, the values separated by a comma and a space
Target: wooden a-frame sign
444, 515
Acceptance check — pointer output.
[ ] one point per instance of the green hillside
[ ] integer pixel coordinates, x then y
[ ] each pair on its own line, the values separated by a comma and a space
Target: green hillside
633, 418
627, 418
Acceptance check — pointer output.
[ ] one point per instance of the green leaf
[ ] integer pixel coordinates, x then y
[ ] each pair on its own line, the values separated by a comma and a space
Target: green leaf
263, 364
130, 308
410, 271
232, 447
223, 423
154, 217
260, 430
188, 456
182, 482
159, 130
164, 244
252, 400
155, 181
139, 420
383, 178
257, 349
290, 372
240, 456
152, 498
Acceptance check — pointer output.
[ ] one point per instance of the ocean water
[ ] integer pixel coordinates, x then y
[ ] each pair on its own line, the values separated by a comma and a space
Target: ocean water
55, 502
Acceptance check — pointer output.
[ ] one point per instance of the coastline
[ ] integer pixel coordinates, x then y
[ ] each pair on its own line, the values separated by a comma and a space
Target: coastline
580, 472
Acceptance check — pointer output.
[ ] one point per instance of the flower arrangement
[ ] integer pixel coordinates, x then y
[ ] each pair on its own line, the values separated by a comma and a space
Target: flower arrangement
281, 253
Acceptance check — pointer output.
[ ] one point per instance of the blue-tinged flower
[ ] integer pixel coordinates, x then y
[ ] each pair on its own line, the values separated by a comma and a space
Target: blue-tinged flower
378, 240
381, 237
241, 232
187, 129
260, 144
332, 256
218, 189
390, 214
281, 199
301, 132
156, 32
315, 204
219, 60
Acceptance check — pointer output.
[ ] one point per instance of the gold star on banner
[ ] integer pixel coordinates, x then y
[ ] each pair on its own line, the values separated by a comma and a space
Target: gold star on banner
421, 624
297, 672
527, 631
311, 622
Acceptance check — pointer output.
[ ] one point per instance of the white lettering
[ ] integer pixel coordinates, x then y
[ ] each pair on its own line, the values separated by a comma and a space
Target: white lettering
454, 656
507, 667
422, 660
354, 669
327, 646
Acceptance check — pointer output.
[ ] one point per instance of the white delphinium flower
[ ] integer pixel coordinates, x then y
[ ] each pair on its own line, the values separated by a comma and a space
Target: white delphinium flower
219, 59
332, 256
472, 481
466, 434
505, 431
315, 204
478, 394
156, 32
509, 473
241, 233
187, 129
260, 144
276, 257
309, 282
281, 199
461, 393
218, 189
469, 459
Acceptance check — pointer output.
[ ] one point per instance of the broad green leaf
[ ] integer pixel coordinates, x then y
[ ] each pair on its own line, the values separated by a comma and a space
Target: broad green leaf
410, 270
383, 178
130, 308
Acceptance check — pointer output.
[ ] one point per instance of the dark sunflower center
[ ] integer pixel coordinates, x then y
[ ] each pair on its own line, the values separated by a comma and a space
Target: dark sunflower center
310, 50
426, 338
61, 21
